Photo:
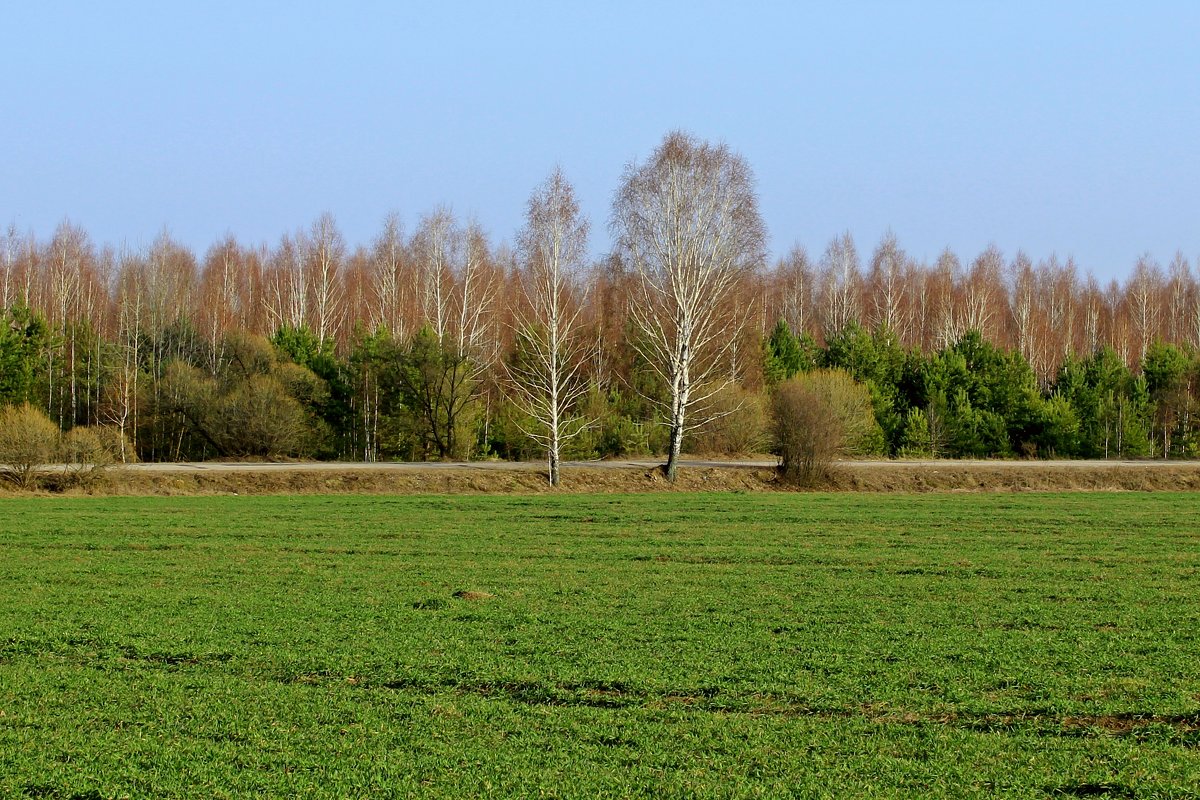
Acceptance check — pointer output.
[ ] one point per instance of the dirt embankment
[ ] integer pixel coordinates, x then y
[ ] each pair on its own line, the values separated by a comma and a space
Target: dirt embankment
1023, 476
939, 476
431, 481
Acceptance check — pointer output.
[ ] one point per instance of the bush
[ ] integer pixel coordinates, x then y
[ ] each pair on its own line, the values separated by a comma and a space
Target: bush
622, 437
243, 415
817, 418
85, 454
260, 418
613, 432
116, 443
738, 427
507, 434
28, 440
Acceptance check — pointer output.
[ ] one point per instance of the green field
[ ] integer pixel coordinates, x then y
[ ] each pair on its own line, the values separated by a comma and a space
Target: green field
661, 645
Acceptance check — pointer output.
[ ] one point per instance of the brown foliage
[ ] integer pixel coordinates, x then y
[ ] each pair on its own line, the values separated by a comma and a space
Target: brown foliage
116, 443
260, 418
161, 302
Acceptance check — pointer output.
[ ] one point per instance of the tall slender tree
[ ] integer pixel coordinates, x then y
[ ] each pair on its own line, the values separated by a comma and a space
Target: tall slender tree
886, 283
840, 284
545, 371
687, 221
325, 253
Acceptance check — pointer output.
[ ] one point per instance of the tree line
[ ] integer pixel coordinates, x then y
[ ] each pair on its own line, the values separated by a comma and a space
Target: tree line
437, 343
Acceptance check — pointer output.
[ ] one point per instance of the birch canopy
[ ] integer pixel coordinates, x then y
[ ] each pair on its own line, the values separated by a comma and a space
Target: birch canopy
687, 222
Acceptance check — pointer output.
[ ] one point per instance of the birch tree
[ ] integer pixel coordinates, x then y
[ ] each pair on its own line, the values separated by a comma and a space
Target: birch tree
9, 248
979, 291
122, 387
325, 252
287, 284
796, 276
1143, 295
1193, 320
67, 261
1021, 299
1178, 288
435, 245
471, 298
451, 354
887, 274
840, 278
687, 221
918, 306
390, 279
219, 298
545, 373
946, 273
1093, 302
1064, 301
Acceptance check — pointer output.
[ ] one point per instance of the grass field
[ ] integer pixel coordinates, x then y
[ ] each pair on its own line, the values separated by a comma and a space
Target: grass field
582, 646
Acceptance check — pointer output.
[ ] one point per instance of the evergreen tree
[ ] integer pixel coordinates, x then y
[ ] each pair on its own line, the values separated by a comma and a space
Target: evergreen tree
333, 407
876, 360
1169, 372
990, 397
24, 340
437, 385
786, 355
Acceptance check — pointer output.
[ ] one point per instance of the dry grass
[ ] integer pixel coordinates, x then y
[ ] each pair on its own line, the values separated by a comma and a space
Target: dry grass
432, 481
894, 477
1035, 476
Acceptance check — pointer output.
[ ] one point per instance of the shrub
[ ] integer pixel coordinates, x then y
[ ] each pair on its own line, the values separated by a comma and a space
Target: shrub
85, 454
259, 418
114, 440
28, 440
817, 418
738, 425
618, 436
238, 415
614, 432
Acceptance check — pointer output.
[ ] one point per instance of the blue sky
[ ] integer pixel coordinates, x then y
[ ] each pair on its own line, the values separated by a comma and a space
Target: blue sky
1056, 127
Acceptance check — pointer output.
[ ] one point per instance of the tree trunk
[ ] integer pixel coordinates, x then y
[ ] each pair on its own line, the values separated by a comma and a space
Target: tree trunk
681, 394
672, 466
678, 410
555, 478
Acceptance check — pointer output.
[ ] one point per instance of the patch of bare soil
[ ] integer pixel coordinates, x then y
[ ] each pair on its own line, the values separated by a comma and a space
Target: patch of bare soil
473, 595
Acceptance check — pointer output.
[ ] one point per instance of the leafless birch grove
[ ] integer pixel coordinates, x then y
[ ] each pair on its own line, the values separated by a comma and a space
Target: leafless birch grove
523, 348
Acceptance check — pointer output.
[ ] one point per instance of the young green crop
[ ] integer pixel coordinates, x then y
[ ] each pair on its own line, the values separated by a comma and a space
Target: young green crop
582, 646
